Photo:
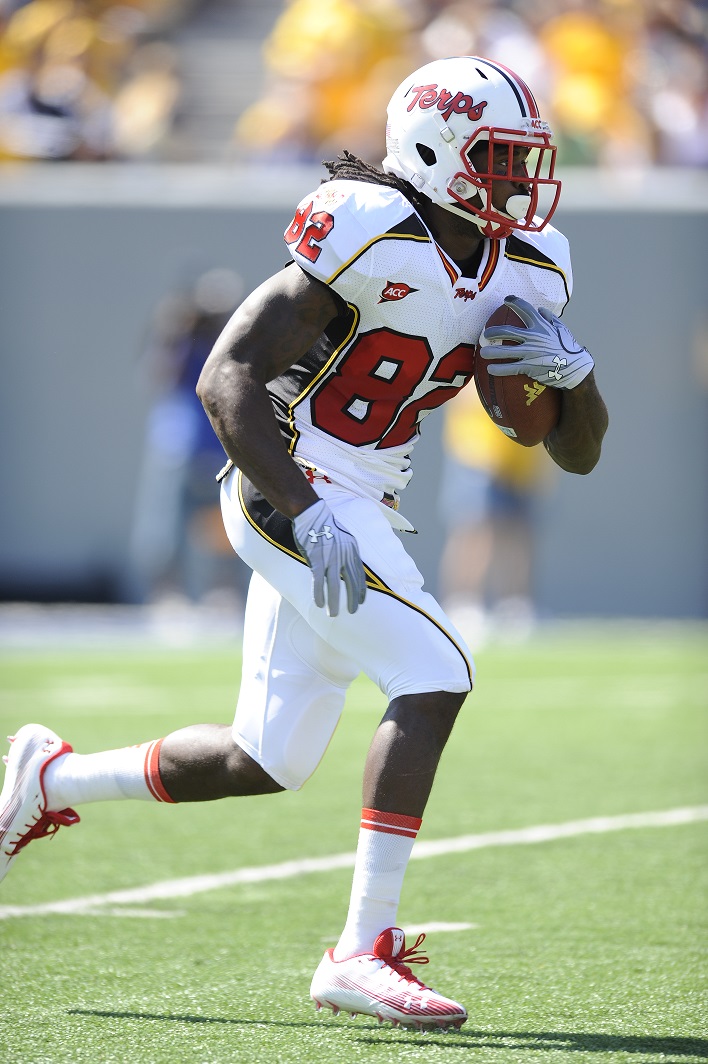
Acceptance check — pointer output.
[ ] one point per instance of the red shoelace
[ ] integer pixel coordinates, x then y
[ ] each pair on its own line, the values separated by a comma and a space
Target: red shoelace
413, 955
47, 824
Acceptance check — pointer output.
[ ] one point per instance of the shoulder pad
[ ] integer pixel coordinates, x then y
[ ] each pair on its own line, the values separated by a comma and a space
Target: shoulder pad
547, 249
334, 227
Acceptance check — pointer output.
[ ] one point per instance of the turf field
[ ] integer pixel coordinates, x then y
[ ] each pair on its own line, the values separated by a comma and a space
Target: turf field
588, 947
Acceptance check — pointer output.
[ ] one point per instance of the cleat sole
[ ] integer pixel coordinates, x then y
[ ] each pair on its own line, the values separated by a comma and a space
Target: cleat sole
413, 1024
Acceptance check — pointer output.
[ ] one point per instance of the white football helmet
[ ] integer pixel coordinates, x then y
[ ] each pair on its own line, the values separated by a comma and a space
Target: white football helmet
444, 111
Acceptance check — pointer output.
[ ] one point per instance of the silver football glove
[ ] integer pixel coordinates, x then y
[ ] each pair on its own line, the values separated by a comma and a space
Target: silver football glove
547, 351
331, 552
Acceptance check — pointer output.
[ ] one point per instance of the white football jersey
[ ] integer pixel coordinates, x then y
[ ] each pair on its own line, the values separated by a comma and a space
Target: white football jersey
403, 344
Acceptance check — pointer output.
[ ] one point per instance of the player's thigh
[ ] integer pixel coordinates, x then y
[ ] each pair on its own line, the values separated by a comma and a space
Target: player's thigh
292, 691
400, 636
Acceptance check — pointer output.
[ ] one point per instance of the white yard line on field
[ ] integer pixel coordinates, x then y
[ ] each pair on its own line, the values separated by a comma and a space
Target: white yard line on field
94, 904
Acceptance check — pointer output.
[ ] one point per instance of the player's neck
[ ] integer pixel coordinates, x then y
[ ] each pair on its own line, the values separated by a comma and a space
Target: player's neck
458, 238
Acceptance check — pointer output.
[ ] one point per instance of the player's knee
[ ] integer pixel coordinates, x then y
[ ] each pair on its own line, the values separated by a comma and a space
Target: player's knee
447, 704
246, 775
298, 731
437, 709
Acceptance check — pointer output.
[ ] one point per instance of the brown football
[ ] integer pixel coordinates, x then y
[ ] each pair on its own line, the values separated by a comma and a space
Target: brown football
525, 410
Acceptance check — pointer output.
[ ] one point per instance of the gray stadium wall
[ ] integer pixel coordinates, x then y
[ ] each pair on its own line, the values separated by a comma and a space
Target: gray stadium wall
88, 251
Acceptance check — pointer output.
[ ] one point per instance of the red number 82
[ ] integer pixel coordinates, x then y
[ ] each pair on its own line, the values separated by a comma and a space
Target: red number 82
308, 236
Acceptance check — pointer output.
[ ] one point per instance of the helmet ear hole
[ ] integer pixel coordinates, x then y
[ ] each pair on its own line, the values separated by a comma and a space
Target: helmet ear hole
427, 154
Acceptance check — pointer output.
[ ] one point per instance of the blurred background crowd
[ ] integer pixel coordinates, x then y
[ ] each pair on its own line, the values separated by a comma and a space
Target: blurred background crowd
86, 79
622, 82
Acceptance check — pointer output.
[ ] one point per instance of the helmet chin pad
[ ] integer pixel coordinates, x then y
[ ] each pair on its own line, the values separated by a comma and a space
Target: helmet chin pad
518, 206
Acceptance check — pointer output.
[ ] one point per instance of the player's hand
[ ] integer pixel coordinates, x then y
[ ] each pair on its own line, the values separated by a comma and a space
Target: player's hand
547, 351
331, 552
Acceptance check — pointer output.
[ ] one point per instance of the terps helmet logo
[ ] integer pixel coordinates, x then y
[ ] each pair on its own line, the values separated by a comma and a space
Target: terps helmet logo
396, 290
425, 96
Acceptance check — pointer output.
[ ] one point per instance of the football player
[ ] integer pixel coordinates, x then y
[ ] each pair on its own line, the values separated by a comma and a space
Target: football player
317, 389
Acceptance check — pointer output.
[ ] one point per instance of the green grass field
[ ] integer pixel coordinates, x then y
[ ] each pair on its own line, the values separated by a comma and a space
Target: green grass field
588, 948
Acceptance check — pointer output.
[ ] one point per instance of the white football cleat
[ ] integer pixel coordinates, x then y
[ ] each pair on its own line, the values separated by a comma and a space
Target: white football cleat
381, 984
23, 803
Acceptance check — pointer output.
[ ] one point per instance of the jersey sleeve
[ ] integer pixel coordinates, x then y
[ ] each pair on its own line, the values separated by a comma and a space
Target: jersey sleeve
335, 229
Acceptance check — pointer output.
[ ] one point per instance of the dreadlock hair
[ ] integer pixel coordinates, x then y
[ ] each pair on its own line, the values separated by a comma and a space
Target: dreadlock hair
348, 167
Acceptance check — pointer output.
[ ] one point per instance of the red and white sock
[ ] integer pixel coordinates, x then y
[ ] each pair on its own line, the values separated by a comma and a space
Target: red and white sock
383, 852
132, 772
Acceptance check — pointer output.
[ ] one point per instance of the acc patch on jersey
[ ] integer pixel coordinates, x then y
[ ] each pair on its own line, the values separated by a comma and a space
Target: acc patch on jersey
396, 290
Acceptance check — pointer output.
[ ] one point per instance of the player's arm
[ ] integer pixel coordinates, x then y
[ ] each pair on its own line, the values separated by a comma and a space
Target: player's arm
271, 329
546, 350
576, 441
269, 332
